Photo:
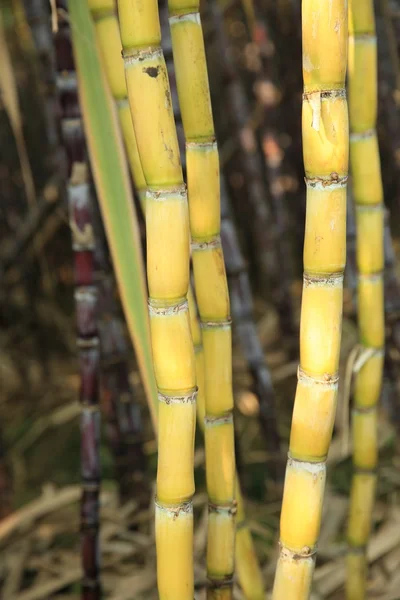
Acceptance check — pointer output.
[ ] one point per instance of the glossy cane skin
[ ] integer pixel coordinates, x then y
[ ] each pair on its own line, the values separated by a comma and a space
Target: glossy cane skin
325, 153
168, 246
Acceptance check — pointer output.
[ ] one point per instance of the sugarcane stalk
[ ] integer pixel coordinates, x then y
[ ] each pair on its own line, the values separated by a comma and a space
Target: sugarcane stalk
249, 573
391, 284
109, 40
83, 244
248, 569
368, 197
202, 163
392, 302
108, 36
89, 357
325, 144
167, 227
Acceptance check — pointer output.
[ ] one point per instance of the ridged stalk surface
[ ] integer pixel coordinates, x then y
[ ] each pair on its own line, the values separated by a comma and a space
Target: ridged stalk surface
368, 199
325, 153
202, 163
168, 245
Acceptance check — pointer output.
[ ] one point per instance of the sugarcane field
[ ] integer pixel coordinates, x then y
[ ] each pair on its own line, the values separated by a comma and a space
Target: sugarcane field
200, 299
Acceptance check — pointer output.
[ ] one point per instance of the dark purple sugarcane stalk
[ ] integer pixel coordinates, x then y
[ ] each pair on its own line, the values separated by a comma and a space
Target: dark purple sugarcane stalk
83, 244
89, 360
123, 414
58, 67
238, 281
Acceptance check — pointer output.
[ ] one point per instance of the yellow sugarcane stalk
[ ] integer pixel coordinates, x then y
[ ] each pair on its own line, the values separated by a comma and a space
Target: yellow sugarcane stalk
247, 567
167, 223
211, 288
325, 150
109, 41
368, 197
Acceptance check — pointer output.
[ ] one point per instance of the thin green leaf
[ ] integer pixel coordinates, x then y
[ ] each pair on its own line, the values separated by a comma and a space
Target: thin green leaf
111, 177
